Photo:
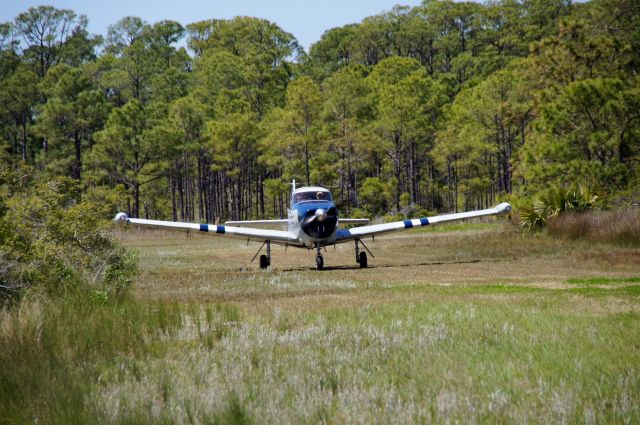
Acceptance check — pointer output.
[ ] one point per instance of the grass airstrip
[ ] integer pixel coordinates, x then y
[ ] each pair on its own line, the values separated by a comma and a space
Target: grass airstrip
472, 323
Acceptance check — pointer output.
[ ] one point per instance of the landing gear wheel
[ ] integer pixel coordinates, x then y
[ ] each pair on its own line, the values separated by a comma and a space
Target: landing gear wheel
264, 262
319, 262
363, 260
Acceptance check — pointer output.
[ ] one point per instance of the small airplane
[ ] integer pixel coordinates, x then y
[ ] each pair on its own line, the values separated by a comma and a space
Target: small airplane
313, 223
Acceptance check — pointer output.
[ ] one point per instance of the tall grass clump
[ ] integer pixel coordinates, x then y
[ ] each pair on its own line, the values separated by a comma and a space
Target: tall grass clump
55, 352
621, 226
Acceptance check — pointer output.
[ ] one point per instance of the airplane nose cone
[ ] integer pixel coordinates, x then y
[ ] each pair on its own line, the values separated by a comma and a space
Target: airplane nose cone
321, 214
320, 220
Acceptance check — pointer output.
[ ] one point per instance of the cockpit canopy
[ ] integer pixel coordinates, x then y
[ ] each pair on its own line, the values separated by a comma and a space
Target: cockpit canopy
311, 194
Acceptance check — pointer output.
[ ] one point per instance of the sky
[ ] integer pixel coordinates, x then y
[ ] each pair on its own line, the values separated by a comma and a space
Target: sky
305, 19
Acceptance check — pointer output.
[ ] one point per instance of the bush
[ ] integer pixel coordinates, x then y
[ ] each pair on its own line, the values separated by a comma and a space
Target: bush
555, 201
51, 239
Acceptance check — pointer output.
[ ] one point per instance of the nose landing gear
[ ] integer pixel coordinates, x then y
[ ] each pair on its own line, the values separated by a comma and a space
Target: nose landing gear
319, 259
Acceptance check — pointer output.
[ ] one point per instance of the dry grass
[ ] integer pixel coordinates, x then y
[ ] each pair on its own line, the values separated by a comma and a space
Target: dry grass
619, 226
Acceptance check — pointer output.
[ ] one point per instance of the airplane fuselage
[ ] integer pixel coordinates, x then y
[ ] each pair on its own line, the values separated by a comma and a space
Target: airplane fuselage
313, 220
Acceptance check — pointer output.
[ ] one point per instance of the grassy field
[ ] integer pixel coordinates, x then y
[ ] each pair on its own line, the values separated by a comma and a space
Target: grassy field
468, 324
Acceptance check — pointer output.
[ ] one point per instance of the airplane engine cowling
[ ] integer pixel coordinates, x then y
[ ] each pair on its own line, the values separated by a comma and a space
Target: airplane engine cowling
320, 223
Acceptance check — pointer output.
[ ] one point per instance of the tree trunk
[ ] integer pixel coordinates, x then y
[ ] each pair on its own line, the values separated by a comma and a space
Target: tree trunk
136, 199
23, 148
77, 167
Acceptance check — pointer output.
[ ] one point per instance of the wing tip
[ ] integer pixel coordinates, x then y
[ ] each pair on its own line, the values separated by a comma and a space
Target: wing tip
503, 207
121, 219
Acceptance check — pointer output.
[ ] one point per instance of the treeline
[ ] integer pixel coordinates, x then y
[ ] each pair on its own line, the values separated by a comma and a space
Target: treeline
441, 107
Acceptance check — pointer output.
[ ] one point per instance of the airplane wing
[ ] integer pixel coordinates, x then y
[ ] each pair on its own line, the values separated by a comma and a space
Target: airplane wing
282, 222
248, 233
356, 221
362, 232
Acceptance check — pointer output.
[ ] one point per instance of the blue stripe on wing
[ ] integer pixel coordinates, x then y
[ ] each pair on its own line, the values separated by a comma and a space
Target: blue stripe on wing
205, 228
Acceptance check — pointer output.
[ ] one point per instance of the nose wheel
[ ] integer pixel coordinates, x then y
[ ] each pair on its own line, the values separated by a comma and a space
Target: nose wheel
319, 258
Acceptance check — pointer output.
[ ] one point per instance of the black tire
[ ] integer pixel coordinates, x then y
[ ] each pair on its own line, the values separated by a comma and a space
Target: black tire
264, 262
319, 262
363, 260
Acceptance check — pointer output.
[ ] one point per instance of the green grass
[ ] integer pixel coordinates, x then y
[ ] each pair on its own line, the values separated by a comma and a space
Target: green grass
477, 327
603, 280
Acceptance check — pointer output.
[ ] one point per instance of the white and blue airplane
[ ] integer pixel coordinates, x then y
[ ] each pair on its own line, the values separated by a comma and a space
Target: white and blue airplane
313, 223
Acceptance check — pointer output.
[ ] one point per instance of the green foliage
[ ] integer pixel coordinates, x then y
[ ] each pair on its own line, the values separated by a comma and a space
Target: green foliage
587, 131
73, 113
54, 35
54, 241
555, 201
374, 194
408, 103
19, 96
131, 146
458, 105
293, 132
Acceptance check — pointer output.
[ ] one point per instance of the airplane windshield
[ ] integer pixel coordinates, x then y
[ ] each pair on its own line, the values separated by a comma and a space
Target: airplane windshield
312, 196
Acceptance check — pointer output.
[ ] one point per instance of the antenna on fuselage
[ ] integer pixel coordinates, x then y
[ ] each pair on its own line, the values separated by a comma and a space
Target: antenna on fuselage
293, 186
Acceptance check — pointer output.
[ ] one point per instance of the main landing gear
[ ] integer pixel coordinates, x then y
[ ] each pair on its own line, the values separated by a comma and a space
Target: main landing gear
265, 260
361, 256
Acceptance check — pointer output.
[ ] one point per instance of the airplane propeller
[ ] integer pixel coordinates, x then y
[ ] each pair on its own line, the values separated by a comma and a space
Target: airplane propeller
320, 215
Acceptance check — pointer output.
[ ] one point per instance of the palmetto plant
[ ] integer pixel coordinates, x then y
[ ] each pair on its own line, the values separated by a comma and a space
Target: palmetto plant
553, 202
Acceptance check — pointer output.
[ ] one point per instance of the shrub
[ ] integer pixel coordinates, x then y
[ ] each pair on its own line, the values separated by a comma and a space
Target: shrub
555, 201
51, 239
